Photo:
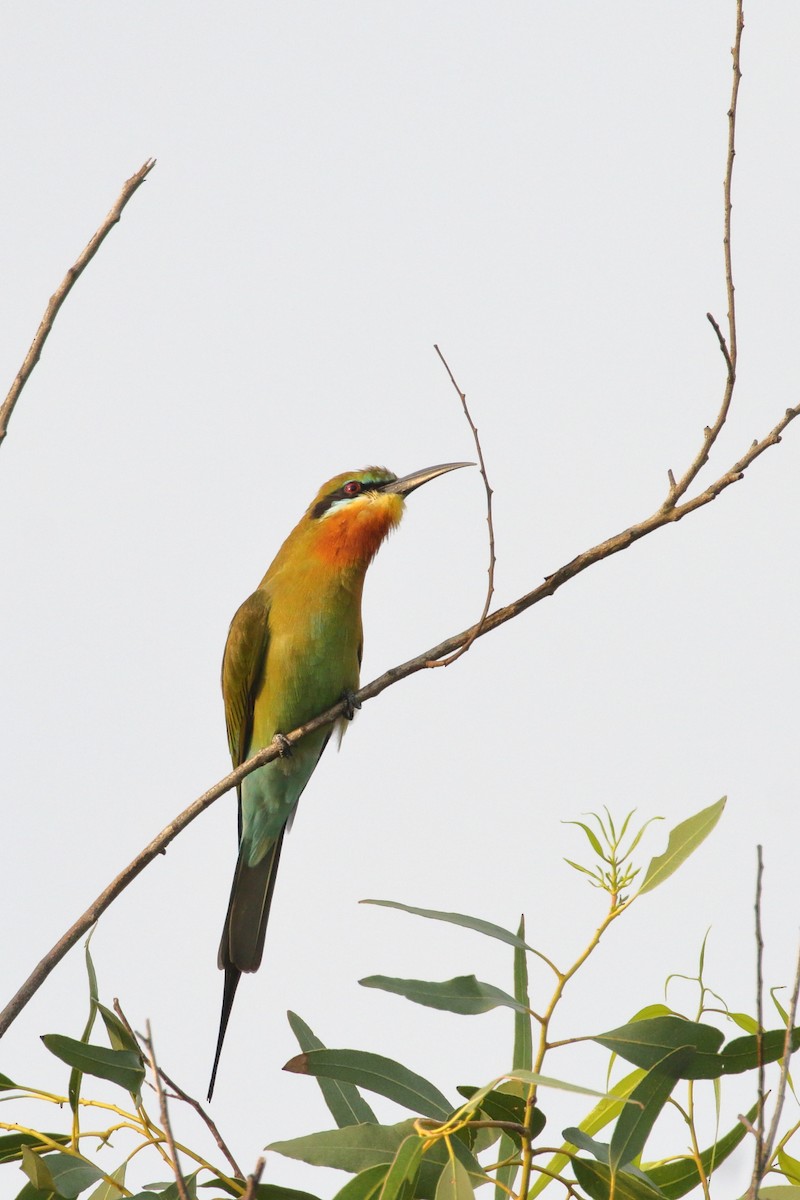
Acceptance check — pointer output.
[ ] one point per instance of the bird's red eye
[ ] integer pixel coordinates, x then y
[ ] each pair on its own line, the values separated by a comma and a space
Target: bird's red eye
352, 488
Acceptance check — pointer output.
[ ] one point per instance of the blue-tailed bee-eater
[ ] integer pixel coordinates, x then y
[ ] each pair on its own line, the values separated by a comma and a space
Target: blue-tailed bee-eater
294, 650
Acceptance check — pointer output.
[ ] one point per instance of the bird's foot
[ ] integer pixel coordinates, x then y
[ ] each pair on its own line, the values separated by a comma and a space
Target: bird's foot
283, 744
351, 703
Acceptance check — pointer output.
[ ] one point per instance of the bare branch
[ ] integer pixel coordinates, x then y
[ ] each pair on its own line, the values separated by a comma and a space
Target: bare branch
729, 347
62, 291
182, 1095
613, 545
162, 1103
253, 1180
445, 662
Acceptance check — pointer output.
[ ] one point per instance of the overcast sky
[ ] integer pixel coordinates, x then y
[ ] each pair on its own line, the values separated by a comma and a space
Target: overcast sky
538, 188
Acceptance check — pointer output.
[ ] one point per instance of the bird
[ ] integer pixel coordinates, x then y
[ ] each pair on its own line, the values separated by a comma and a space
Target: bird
294, 650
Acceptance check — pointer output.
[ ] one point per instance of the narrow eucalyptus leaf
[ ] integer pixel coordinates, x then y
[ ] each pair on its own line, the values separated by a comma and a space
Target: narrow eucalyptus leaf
523, 1036
119, 1066
475, 923
581, 1141
263, 1191
6, 1084
454, 1182
354, 1148
71, 1175
364, 1186
601, 1115
634, 1122
377, 1074
465, 994
595, 1179
645, 1043
790, 1166
404, 1169
118, 1034
359, 1147
683, 841
346, 1104
35, 1167
11, 1143
107, 1191
559, 1084
742, 1053
678, 1178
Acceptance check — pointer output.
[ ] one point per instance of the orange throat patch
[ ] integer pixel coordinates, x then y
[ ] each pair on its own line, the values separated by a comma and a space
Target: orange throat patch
350, 537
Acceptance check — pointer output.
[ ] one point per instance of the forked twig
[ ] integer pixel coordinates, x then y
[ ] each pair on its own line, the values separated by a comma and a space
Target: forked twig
476, 629
64, 288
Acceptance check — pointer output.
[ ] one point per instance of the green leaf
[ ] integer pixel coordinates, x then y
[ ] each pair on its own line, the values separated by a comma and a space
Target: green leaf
35, 1167
645, 1043
402, 1174
263, 1191
364, 1186
594, 841
465, 994
11, 1143
474, 923
683, 841
600, 1150
595, 1179
790, 1166
353, 1148
74, 1086
359, 1147
532, 1077
71, 1175
172, 1191
678, 1178
29, 1192
6, 1084
600, 1116
118, 1034
744, 1021
107, 1191
779, 1193
346, 1104
523, 1037
501, 1106
119, 1066
377, 1074
635, 1123
742, 1053
454, 1182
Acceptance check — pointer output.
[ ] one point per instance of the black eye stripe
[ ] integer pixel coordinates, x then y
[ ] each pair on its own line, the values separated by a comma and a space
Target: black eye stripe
322, 506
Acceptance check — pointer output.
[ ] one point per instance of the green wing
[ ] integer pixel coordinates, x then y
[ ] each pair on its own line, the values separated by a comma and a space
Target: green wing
243, 666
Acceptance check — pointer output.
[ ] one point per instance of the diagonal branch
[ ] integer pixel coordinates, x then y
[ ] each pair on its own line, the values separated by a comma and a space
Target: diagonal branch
613, 545
62, 291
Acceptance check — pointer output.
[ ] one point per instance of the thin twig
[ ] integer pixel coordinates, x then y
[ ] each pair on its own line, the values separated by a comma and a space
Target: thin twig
588, 558
162, 1103
780, 1095
758, 1166
729, 348
476, 630
182, 1095
254, 1180
62, 291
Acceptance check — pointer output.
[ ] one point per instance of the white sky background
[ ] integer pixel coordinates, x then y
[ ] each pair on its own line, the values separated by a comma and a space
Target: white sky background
538, 188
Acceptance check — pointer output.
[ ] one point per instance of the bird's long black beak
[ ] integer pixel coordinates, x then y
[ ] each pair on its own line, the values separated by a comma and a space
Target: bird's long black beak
406, 485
